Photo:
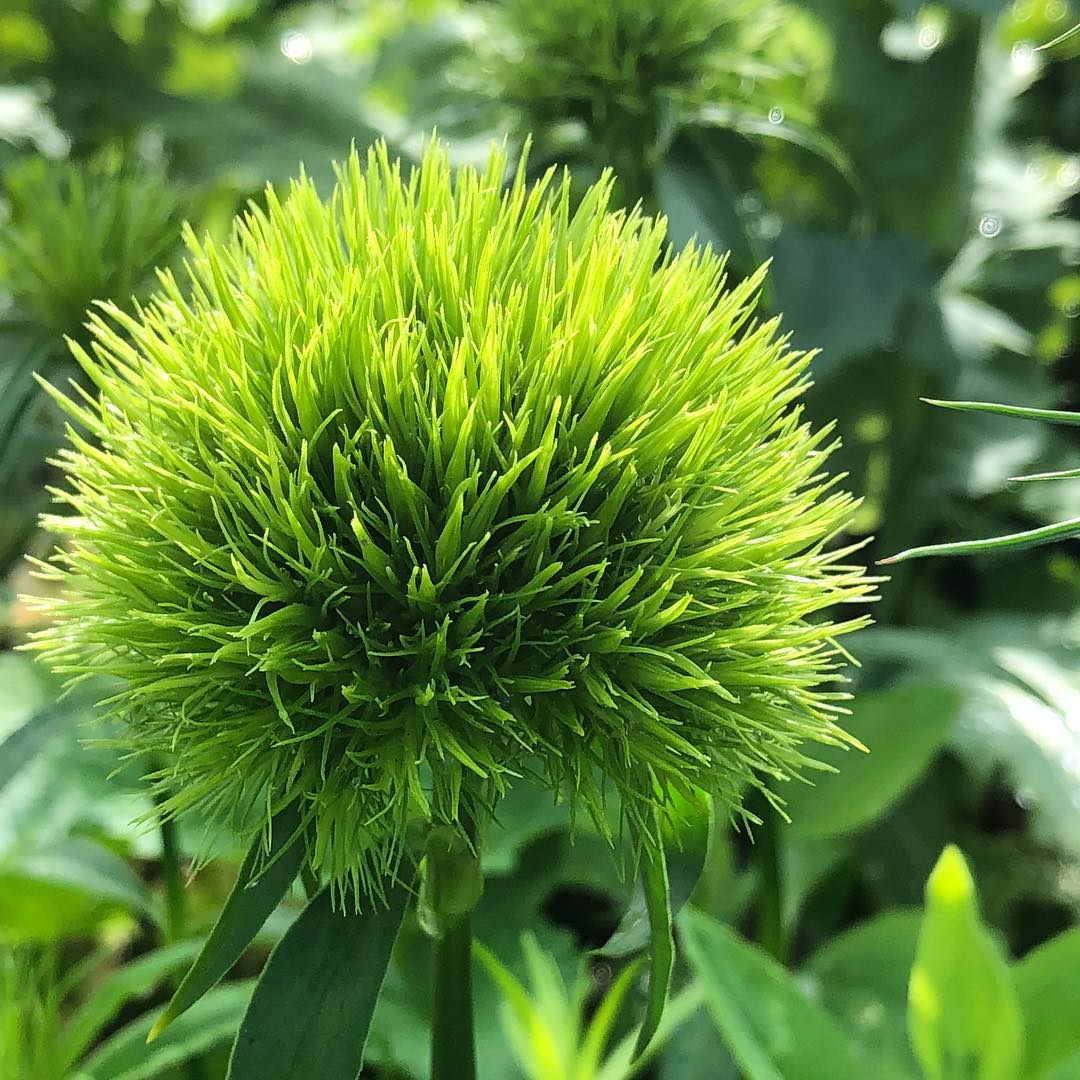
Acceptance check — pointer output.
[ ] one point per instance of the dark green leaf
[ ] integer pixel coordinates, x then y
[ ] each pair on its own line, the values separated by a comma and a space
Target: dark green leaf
23, 744
863, 979
253, 898
860, 292
310, 1014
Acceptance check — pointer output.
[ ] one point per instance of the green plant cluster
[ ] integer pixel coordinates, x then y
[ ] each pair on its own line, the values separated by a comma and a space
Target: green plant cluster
435, 477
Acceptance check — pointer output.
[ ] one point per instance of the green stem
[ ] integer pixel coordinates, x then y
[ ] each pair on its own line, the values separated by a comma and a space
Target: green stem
453, 1046
176, 912
769, 930
175, 901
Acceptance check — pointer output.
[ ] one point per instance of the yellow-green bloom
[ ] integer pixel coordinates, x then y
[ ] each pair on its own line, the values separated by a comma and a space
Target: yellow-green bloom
437, 483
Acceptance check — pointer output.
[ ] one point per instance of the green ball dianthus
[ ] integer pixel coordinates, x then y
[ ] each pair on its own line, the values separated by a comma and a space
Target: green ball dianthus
439, 483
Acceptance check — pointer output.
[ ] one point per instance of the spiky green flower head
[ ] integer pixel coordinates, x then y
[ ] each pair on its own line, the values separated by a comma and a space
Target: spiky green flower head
439, 486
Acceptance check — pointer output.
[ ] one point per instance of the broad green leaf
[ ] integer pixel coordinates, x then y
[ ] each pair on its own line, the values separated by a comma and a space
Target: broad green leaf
862, 290
312, 1007
700, 198
70, 887
23, 744
210, 1022
254, 896
963, 1015
1048, 989
863, 978
132, 980
902, 727
773, 1030
1021, 689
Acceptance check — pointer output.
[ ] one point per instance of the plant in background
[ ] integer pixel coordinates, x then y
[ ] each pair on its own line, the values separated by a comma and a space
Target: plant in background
614, 83
423, 491
79, 231
74, 232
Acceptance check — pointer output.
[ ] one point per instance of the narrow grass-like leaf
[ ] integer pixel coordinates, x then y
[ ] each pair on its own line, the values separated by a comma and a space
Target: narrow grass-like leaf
264, 878
654, 877
1060, 38
1053, 416
312, 1007
1044, 534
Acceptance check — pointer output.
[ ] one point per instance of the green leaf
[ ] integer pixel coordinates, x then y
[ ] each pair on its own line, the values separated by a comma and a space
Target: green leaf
1049, 994
71, 886
264, 879
312, 1007
863, 289
654, 878
23, 744
863, 979
699, 197
1044, 534
963, 1016
1053, 416
902, 727
774, 1031
210, 1022
130, 981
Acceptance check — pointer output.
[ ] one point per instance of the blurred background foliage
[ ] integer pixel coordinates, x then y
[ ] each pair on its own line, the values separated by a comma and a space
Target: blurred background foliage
912, 171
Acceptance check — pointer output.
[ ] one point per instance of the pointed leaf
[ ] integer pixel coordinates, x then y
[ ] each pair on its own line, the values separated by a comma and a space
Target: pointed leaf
312, 1007
654, 878
773, 1030
249, 906
963, 1016
22, 745
1045, 534
1053, 416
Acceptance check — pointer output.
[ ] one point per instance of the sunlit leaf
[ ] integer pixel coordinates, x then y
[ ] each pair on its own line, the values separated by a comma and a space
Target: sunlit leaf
963, 1014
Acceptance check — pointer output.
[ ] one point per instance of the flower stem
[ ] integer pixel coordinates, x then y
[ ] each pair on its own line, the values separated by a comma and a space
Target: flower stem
453, 1041
769, 929
175, 902
176, 911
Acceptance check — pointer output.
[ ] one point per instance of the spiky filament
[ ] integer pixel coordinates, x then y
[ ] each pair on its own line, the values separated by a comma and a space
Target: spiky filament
441, 480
